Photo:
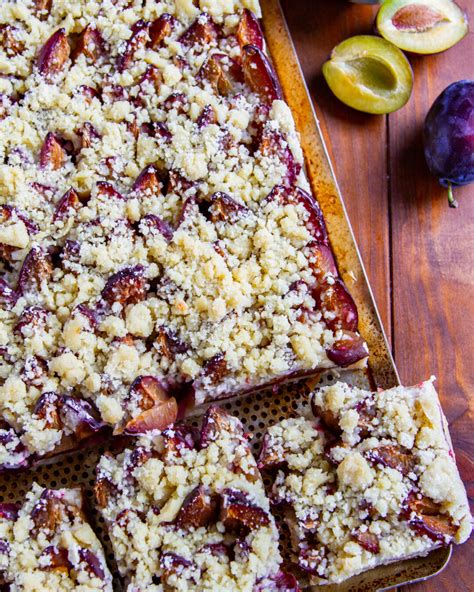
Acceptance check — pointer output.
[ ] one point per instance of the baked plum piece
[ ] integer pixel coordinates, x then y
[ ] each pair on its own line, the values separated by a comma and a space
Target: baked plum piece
370, 479
187, 510
47, 544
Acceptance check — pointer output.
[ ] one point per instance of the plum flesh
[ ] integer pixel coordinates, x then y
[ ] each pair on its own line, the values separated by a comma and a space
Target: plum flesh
369, 74
449, 136
422, 26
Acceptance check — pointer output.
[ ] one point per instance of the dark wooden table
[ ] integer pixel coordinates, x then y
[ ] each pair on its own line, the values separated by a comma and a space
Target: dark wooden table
418, 252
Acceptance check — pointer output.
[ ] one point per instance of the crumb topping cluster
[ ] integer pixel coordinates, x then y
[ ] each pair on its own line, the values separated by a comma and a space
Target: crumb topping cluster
188, 511
372, 480
154, 220
47, 544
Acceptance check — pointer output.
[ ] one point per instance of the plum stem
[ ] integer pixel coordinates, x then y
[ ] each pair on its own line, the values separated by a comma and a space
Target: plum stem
452, 202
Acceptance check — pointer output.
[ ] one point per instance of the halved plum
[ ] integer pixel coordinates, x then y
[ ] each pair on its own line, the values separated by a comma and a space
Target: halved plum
147, 391
337, 305
238, 512
103, 490
139, 38
93, 563
225, 209
348, 349
249, 31
222, 72
148, 181
203, 31
105, 189
215, 369
158, 417
37, 267
54, 55
55, 559
47, 408
367, 540
425, 517
52, 154
321, 260
259, 74
422, 26
161, 28
369, 74
153, 224
269, 458
199, 509
392, 456
168, 343
90, 44
127, 286
47, 511
10, 40
67, 205
88, 134
156, 129
80, 417
179, 438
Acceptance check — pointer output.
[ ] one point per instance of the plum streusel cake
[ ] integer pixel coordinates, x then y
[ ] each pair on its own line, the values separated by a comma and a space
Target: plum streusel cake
47, 545
188, 511
157, 239
371, 480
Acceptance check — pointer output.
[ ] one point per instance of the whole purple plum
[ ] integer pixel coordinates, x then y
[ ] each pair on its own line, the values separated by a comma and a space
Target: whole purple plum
449, 136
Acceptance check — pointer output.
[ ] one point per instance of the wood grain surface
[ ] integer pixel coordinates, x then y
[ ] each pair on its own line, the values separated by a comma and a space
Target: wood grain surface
418, 252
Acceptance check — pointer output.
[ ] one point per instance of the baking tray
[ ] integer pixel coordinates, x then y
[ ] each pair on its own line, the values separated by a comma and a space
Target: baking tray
260, 410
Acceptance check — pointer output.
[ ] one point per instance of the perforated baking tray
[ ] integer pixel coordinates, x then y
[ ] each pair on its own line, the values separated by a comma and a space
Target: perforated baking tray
261, 410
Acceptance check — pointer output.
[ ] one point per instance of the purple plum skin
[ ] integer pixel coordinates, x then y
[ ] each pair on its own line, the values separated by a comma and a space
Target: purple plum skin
449, 135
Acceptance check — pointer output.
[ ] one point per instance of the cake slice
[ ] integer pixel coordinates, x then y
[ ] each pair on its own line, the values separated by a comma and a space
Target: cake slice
47, 545
369, 480
188, 511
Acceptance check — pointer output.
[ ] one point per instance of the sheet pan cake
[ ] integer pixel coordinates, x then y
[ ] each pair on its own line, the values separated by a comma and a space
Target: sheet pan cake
159, 243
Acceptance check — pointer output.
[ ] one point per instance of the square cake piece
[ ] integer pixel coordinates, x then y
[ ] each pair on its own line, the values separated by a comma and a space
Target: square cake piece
187, 511
371, 479
47, 545
155, 220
